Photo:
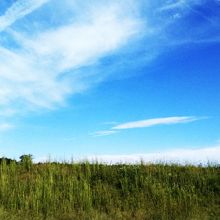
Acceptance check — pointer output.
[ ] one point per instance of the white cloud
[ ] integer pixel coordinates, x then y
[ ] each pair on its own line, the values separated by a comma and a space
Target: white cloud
179, 4
147, 123
103, 133
195, 156
42, 58
42, 159
18, 10
155, 121
5, 127
173, 5
76, 45
43, 69
180, 156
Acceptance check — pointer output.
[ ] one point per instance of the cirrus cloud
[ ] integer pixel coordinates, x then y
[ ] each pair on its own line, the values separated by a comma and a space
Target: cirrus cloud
147, 123
39, 69
44, 59
155, 121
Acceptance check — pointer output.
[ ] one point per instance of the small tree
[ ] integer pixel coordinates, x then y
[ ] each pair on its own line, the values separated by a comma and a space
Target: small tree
26, 161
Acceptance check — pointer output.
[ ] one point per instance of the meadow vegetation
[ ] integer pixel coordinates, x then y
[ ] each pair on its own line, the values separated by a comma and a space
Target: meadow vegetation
67, 191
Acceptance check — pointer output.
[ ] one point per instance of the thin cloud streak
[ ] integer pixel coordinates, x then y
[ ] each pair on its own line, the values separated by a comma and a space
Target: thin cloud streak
103, 133
179, 4
173, 5
147, 123
18, 10
154, 122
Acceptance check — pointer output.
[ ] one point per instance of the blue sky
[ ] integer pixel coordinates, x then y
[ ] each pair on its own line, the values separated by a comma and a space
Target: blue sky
115, 80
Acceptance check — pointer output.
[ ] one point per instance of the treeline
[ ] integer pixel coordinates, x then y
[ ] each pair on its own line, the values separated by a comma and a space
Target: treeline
7, 160
26, 159
97, 191
23, 158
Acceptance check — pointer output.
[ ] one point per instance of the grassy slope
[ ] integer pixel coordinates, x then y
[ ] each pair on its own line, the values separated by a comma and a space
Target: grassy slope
96, 191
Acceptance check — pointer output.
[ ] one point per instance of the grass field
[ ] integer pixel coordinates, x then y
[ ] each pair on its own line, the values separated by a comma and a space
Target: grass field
96, 191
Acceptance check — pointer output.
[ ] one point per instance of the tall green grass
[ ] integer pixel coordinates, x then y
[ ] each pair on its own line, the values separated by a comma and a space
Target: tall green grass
97, 191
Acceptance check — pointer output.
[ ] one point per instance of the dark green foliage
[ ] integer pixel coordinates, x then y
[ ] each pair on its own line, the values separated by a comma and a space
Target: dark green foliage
26, 161
98, 191
7, 160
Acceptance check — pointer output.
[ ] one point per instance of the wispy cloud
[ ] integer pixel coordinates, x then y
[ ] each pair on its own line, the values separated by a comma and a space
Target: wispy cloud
18, 10
5, 127
46, 62
180, 156
172, 5
179, 4
103, 133
154, 122
148, 123
195, 156
50, 54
